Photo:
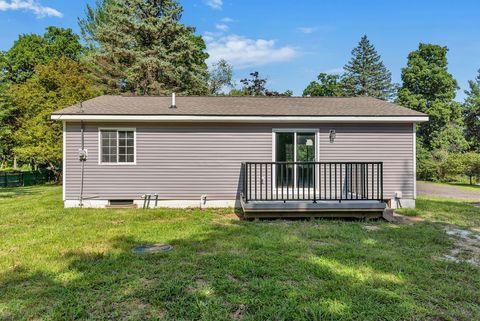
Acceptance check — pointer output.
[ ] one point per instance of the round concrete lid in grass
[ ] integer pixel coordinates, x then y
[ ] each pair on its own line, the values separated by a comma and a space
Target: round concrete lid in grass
152, 248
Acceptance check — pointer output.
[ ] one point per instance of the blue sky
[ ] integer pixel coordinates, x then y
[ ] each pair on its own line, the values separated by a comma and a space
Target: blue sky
290, 42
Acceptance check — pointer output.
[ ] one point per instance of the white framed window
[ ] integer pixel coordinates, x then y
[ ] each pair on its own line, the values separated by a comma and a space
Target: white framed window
117, 146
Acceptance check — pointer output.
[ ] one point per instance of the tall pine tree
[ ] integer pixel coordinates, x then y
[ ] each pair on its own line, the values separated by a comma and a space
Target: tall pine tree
428, 87
366, 75
141, 46
471, 111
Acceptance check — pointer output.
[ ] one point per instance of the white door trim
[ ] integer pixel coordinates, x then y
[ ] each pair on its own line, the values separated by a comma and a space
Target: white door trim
316, 131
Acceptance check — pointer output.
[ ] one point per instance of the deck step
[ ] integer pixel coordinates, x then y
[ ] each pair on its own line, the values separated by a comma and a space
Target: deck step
388, 215
254, 209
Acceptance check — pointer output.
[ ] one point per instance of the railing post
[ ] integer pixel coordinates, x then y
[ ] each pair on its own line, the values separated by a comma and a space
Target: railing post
381, 181
314, 183
245, 182
5, 179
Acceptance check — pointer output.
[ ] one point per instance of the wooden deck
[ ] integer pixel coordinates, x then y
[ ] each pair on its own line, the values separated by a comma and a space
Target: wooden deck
308, 209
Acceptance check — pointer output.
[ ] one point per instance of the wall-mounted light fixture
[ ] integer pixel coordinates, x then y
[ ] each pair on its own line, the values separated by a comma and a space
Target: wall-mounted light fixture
332, 135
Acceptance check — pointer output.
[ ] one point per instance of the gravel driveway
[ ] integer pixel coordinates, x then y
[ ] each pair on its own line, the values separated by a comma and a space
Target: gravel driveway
431, 189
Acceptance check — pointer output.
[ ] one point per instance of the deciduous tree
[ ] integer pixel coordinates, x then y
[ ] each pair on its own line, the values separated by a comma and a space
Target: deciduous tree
328, 85
471, 112
30, 50
17, 65
254, 86
220, 76
53, 86
428, 87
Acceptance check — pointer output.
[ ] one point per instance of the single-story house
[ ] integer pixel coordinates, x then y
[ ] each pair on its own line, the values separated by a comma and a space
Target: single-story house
282, 154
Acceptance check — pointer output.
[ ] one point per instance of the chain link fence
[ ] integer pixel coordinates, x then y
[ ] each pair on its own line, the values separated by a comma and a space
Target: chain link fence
16, 178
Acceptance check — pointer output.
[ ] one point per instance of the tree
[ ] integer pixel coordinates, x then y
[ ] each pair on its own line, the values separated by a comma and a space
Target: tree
220, 76
471, 164
254, 86
28, 51
17, 65
235, 92
428, 87
141, 46
329, 85
471, 113
274, 93
365, 73
58, 84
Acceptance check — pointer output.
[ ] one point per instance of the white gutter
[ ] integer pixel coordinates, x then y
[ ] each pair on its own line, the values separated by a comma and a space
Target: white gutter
244, 119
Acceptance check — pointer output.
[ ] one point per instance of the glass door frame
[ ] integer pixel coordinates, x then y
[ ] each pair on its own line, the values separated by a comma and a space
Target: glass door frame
315, 131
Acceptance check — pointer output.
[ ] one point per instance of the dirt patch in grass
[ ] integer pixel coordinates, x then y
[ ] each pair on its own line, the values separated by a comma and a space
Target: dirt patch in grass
402, 219
240, 312
466, 247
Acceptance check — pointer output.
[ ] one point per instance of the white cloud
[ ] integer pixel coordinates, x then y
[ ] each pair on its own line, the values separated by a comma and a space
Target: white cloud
221, 26
243, 52
215, 4
307, 30
227, 20
30, 5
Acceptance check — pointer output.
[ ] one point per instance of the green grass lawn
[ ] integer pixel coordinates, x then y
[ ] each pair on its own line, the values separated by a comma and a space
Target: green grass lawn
462, 185
66, 264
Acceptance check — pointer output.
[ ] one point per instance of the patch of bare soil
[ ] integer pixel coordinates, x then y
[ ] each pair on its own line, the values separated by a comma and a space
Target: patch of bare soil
403, 219
240, 312
466, 247
231, 216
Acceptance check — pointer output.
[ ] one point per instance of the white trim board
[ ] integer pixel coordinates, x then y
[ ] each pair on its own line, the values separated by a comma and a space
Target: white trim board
316, 131
414, 141
64, 160
245, 119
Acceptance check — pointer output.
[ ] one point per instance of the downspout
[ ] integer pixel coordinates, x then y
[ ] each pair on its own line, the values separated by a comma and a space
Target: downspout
82, 160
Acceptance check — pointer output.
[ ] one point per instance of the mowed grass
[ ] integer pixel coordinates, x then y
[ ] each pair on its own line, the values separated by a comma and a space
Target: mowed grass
72, 264
462, 185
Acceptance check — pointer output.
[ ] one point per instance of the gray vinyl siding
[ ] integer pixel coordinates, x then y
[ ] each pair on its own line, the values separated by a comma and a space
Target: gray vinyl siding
185, 161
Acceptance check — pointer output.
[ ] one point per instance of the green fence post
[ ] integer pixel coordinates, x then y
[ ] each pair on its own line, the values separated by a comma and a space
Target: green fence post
5, 179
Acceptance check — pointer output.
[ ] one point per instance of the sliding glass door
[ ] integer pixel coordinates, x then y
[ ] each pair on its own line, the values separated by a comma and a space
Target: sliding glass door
305, 153
295, 146
285, 152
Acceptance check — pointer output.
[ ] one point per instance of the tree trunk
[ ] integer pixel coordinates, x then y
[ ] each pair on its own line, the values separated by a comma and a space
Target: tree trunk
55, 172
14, 162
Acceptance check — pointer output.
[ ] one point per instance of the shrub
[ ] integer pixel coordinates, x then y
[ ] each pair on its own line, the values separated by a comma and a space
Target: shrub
471, 164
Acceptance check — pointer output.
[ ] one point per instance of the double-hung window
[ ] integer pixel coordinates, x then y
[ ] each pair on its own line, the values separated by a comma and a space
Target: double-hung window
117, 146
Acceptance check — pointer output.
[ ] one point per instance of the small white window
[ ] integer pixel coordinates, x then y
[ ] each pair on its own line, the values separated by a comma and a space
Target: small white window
117, 146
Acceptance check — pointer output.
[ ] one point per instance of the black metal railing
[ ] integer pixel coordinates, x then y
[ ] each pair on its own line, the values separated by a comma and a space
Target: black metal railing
312, 181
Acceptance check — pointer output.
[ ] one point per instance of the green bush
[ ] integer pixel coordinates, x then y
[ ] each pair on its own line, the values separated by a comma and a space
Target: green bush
471, 163
440, 165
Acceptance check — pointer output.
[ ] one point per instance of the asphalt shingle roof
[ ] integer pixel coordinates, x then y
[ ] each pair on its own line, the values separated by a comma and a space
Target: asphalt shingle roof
239, 106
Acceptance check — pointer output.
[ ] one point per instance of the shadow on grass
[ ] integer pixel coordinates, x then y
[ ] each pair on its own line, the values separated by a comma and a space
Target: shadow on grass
256, 271
12, 192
